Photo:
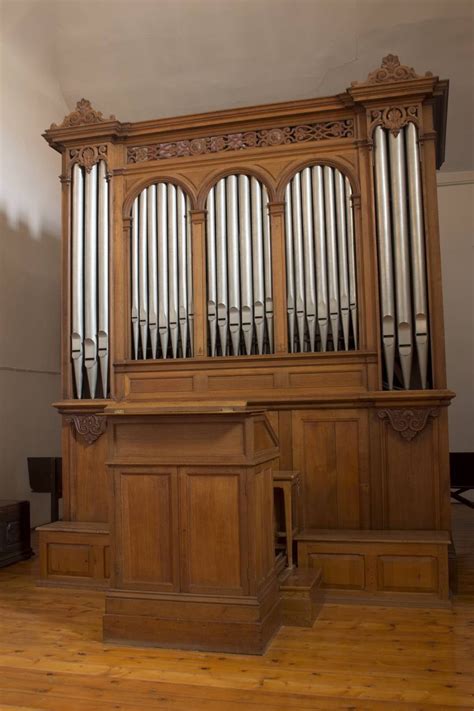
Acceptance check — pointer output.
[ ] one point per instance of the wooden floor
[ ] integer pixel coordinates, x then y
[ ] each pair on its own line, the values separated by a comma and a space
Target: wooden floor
52, 657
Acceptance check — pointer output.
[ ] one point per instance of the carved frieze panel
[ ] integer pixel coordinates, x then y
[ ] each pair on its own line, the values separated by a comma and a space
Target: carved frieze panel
408, 422
88, 427
262, 138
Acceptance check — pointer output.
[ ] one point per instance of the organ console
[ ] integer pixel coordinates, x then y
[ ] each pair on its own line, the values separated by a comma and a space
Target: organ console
249, 291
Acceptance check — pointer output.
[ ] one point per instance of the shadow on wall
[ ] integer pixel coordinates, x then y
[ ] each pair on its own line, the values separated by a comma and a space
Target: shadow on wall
29, 357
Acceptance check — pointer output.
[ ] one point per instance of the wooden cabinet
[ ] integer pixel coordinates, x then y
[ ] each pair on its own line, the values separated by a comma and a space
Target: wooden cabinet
192, 510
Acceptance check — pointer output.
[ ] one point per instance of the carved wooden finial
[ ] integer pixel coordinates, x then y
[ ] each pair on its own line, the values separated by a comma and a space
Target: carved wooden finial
83, 114
391, 70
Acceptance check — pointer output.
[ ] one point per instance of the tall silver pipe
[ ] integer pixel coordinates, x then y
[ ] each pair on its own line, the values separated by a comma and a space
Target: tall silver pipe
258, 264
103, 276
267, 252
299, 259
173, 269
221, 263
189, 275
134, 278
182, 270
352, 261
290, 268
245, 242
320, 255
77, 277
342, 255
418, 261
162, 221
233, 262
211, 272
331, 253
402, 254
152, 269
308, 246
384, 238
90, 280
143, 271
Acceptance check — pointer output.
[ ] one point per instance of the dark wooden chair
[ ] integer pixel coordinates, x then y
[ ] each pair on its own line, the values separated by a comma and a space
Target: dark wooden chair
45, 474
461, 466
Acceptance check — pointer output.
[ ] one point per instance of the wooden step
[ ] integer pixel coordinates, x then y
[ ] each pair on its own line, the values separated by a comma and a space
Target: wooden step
301, 596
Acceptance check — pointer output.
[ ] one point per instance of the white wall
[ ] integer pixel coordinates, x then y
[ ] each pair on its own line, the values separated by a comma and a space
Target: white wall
29, 248
456, 215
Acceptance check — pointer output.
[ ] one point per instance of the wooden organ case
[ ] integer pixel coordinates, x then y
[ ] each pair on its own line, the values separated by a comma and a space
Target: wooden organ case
246, 291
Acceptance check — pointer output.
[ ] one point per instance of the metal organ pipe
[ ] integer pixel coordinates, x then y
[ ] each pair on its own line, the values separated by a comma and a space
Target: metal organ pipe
103, 276
90, 280
161, 273
401, 252
420, 301
321, 277
239, 275
77, 277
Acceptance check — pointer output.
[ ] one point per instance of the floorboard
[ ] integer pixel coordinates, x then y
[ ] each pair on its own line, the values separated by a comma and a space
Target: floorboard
357, 658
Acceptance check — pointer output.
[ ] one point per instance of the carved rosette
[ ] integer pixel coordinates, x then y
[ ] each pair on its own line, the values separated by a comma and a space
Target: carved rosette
88, 427
408, 422
263, 138
87, 156
82, 115
391, 71
393, 118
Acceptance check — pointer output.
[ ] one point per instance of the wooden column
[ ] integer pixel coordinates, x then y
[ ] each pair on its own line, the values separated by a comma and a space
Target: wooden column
280, 320
198, 222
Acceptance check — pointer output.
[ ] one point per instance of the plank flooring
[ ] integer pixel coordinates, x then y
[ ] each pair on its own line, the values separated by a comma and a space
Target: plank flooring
354, 658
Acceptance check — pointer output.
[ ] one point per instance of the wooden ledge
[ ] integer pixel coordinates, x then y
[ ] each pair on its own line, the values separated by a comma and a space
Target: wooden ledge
75, 527
358, 536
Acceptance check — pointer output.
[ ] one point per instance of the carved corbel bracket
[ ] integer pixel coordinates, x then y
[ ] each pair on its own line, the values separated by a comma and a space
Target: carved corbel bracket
408, 422
88, 427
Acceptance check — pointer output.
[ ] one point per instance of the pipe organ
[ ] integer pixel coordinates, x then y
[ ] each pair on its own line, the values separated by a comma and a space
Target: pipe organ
248, 292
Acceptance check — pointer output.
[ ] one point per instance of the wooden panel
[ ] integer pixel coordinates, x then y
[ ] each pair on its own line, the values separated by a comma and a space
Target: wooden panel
159, 439
330, 450
263, 542
71, 560
340, 570
150, 383
241, 381
320, 378
147, 528
410, 472
210, 515
88, 479
407, 573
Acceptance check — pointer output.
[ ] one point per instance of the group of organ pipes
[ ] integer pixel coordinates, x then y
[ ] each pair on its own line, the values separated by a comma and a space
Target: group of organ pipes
273, 272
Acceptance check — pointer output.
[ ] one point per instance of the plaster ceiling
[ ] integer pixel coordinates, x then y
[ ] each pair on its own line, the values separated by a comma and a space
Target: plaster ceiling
145, 59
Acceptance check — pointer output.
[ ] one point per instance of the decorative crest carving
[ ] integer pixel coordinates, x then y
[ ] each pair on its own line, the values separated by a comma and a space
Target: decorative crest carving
88, 427
408, 423
83, 114
391, 70
394, 118
88, 156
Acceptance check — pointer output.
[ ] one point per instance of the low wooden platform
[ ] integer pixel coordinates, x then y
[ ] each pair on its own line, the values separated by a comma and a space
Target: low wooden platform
385, 567
373, 658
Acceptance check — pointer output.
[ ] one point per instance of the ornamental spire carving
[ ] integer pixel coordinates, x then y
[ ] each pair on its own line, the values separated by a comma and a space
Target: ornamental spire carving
390, 71
83, 114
